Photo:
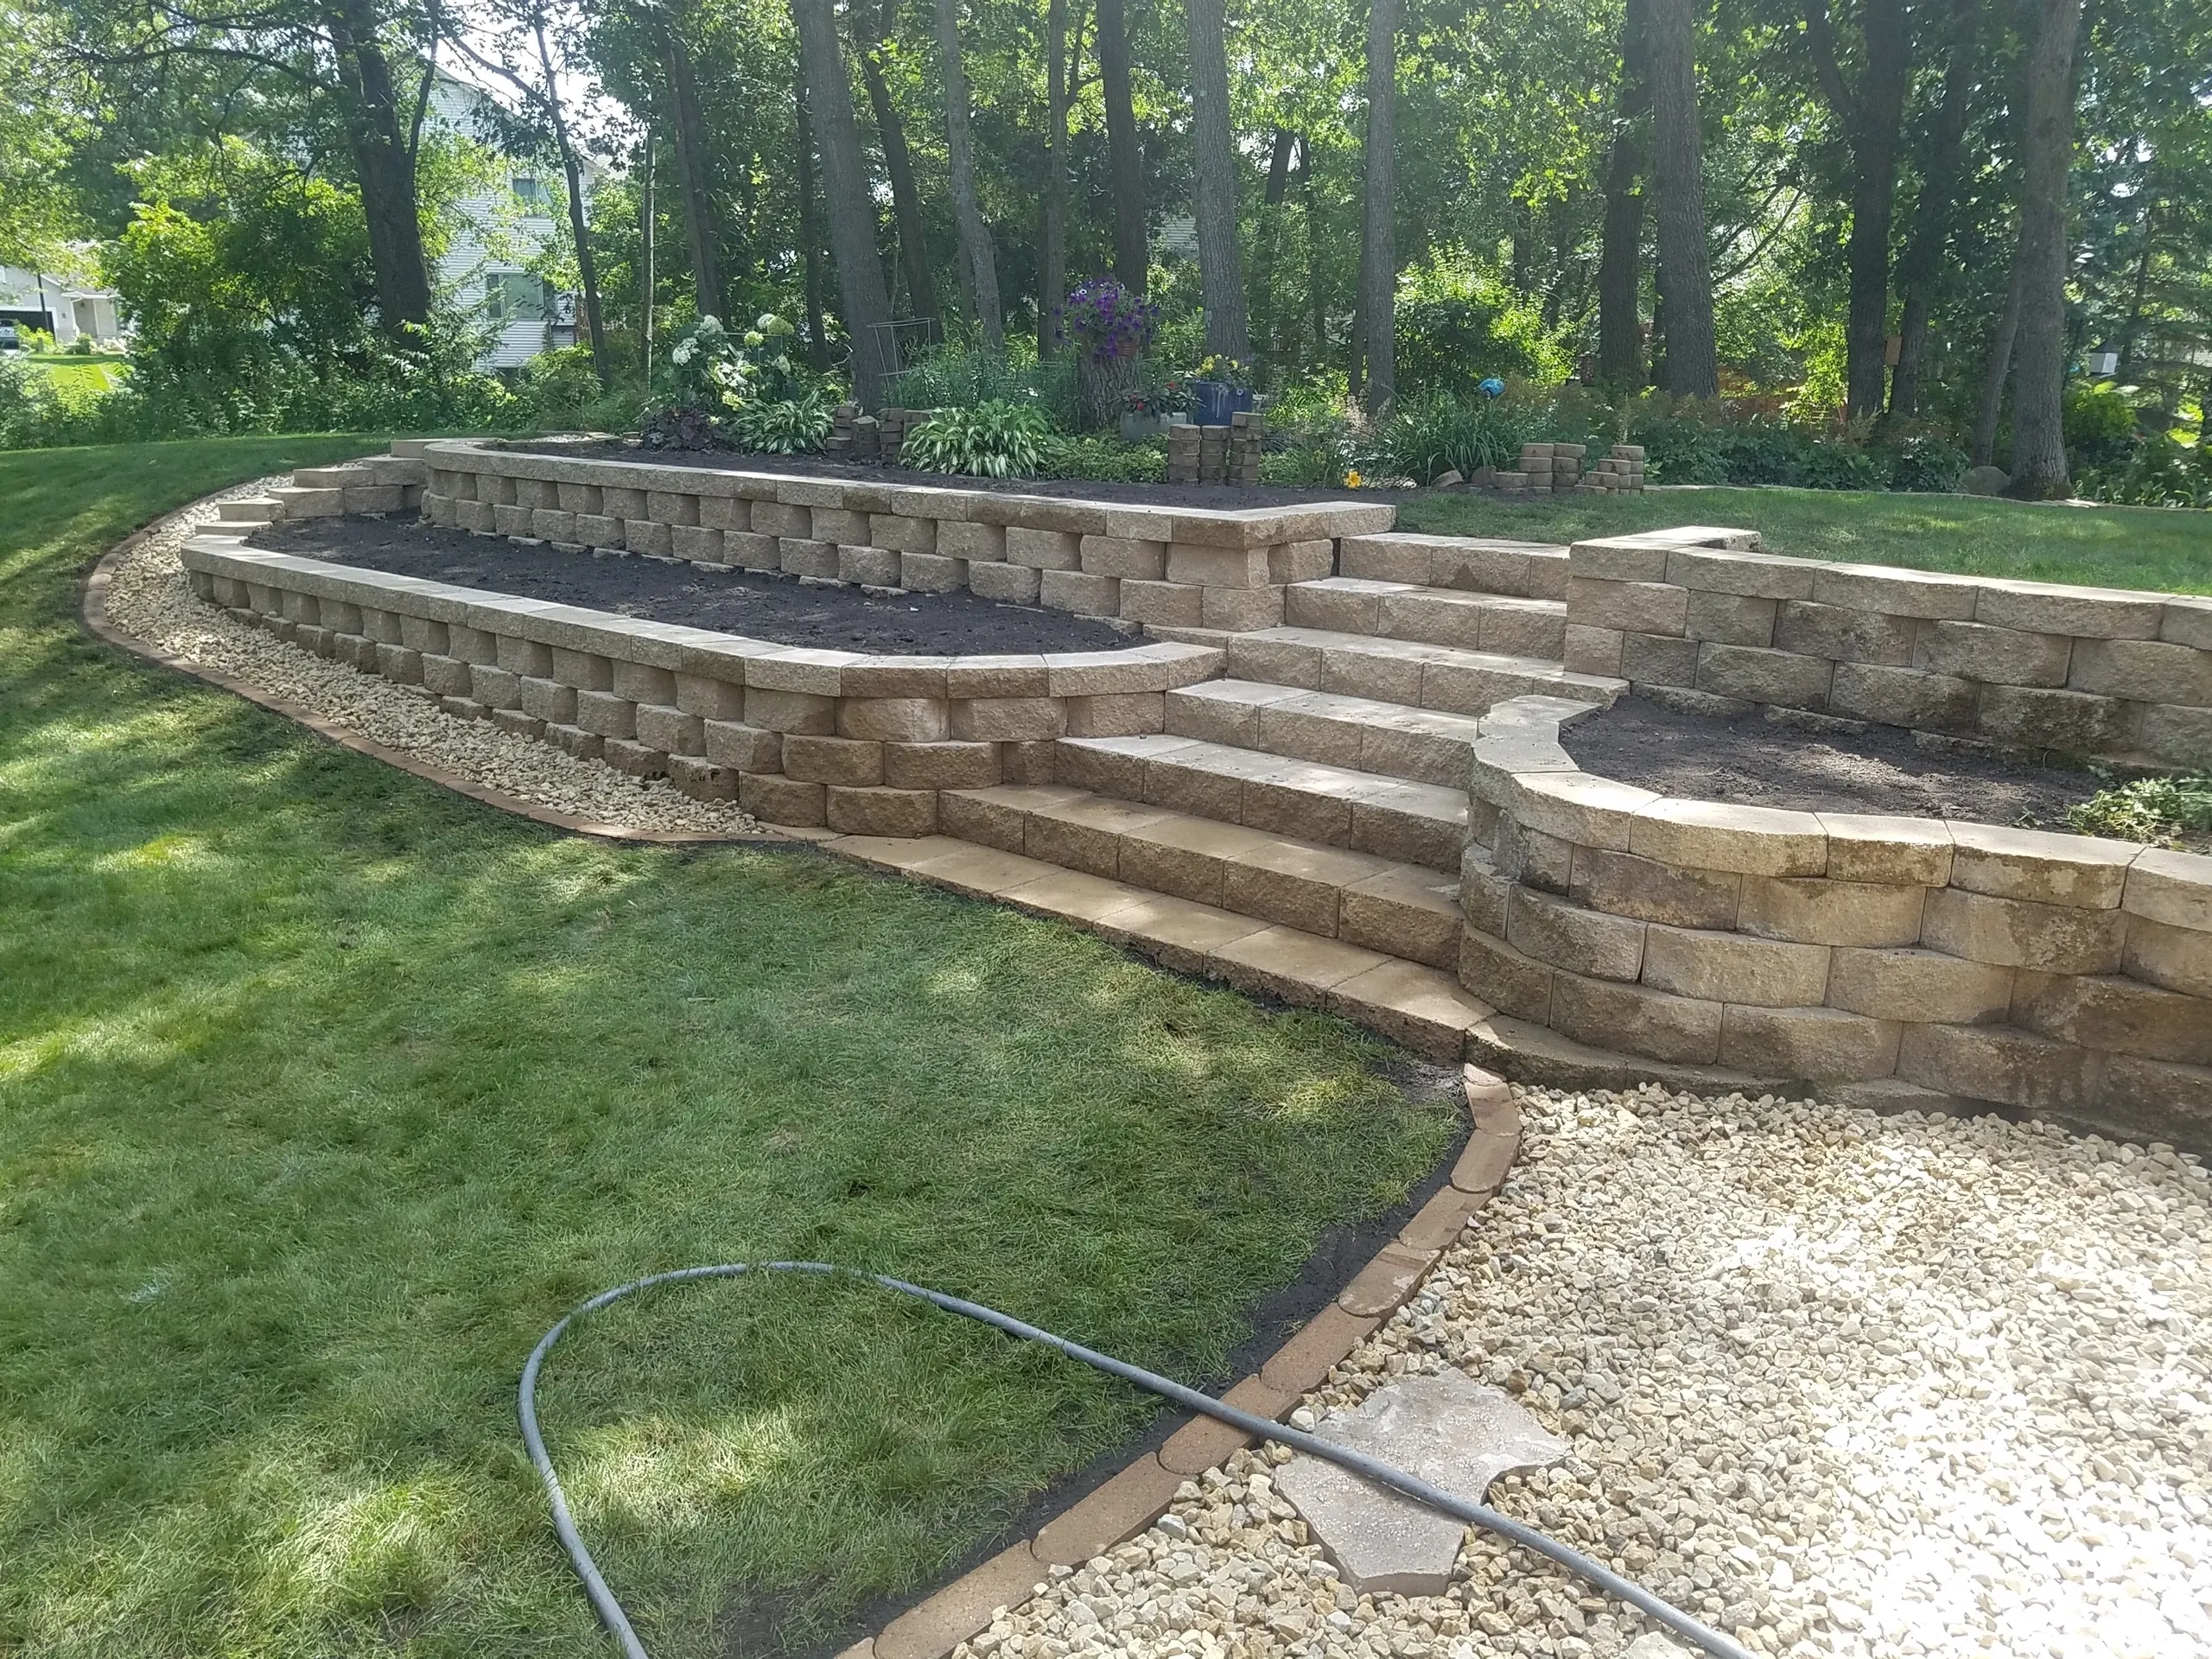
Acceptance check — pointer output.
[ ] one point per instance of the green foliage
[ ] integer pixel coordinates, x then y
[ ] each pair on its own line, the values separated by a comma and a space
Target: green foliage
787, 426
1101, 456
1457, 327
2158, 472
955, 376
1427, 435
998, 439
2170, 812
2099, 421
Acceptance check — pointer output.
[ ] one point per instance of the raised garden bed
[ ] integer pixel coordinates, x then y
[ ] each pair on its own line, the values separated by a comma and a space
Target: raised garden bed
1758, 760
758, 605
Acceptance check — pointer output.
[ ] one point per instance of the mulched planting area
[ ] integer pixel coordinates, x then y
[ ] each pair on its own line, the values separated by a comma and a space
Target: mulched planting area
1223, 498
756, 604
1758, 761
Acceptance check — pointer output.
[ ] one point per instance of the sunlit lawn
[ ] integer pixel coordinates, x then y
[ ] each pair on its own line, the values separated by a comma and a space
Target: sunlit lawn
323, 1091
2113, 546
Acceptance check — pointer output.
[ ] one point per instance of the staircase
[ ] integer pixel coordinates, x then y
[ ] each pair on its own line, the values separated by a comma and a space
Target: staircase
373, 485
1298, 829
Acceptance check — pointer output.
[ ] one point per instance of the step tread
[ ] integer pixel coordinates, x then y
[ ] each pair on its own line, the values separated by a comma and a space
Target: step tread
1419, 1005
1316, 777
1335, 705
1471, 599
1249, 654
1428, 746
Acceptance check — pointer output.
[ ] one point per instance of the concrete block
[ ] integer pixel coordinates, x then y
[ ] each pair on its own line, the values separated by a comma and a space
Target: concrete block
1631, 606
549, 700
931, 572
1718, 835
1217, 567
1533, 859
607, 715
1904, 696
1117, 713
398, 663
1757, 675
1975, 651
701, 779
1623, 884
1593, 651
795, 558
801, 712
1006, 719
780, 520
642, 682
1658, 659
2085, 612
1306, 561
1896, 593
1732, 619
2170, 732
1619, 558
1079, 592
1165, 604
725, 512
775, 799
2173, 1102
1241, 609
1514, 985
1585, 941
649, 536
897, 720
619, 501
1910, 984
1044, 549
1587, 811
1015, 584
750, 550
671, 730
2177, 958
2110, 1011
1843, 633
1815, 910
1882, 849
838, 525
2074, 721
2186, 619
709, 697
961, 539
874, 567
1635, 1020
1820, 1044
832, 760
1735, 968
1999, 1063
519, 656
1122, 556
940, 765
2017, 933
897, 533
1744, 574
741, 747
552, 525
495, 688
2172, 887
2145, 670
2051, 870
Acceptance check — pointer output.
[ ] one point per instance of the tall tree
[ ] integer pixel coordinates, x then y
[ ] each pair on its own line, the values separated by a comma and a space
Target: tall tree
1265, 280
2039, 468
1678, 170
976, 254
873, 27
1052, 204
1997, 368
809, 228
866, 304
1221, 275
1872, 115
1620, 258
1378, 238
1920, 271
695, 173
1124, 156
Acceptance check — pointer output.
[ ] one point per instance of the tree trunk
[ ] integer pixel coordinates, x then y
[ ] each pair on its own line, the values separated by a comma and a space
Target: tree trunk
1685, 264
1872, 118
898, 162
694, 172
1378, 239
852, 213
2040, 351
385, 168
1994, 374
647, 277
2131, 331
1125, 160
810, 232
1053, 210
1316, 295
1620, 258
1920, 272
976, 254
1221, 277
587, 263
1267, 335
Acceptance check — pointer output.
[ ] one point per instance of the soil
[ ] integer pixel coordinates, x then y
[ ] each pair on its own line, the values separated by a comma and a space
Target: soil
756, 604
1758, 761
1223, 498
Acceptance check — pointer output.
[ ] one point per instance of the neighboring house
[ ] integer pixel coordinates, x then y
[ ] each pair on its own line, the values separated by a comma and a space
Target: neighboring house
36, 298
502, 231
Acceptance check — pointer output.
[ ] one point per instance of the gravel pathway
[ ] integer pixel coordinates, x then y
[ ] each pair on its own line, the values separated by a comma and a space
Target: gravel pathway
149, 597
1840, 1383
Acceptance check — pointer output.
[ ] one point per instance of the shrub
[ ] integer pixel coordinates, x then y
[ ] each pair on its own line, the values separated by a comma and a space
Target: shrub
2160, 472
1426, 435
998, 439
2169, 811
1096, 455
788, 426
1846, 466
1926, 463
951, 377
2098, 421
1456, 328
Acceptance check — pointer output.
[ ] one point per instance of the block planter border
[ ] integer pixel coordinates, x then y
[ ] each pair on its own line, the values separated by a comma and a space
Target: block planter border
1896, 962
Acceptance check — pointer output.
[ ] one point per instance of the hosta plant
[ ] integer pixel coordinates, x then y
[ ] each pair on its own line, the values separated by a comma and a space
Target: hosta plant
789, 426
993, 440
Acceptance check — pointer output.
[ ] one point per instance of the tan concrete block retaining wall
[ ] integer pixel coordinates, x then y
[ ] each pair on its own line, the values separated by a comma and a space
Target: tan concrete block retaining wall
2087, 670
861, 744
1895, 959
1166, 567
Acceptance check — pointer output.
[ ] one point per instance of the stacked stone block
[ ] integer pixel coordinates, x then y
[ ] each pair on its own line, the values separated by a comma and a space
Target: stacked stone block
1153, 567
1185, 443
797, 736
2029, 666
1904, 961
1247, 437
1622, 469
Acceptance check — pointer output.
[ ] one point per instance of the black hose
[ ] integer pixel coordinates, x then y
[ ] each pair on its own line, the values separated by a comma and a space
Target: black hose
1478, 1515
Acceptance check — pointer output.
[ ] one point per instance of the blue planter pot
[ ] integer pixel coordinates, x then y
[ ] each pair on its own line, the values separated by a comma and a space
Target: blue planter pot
1216, 402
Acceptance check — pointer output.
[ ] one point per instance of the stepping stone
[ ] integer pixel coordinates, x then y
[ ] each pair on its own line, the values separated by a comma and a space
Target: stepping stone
1449, 1430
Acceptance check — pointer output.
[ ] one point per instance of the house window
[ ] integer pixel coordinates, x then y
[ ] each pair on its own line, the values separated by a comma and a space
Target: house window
513, 296
528, 191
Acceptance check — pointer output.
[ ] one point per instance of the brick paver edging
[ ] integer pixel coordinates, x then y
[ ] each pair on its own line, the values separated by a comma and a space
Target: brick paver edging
1129, 1502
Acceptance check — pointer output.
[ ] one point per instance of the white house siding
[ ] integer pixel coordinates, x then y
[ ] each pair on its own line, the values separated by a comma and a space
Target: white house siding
40, 300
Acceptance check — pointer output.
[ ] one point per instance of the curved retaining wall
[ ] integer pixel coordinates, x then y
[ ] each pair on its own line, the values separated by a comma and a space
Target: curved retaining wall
2054, 973
1166, 567
2085, 670
799, 737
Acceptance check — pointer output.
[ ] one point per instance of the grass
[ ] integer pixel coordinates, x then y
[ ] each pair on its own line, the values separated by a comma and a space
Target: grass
323, 1091
2169, 551
76, 376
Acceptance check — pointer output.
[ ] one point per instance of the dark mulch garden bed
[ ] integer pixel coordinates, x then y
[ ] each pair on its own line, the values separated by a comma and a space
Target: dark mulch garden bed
1758, 761
756, 604
1222, 498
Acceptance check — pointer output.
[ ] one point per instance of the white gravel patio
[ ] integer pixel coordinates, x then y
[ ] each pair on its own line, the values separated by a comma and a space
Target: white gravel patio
1839, 1383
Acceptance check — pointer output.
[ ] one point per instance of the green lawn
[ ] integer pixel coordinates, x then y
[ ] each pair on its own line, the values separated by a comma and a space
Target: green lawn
76, 376
2111, 547
323, 1091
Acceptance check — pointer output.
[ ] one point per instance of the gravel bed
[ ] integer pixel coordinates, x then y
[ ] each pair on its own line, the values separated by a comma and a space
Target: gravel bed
1841, 1384
149, 597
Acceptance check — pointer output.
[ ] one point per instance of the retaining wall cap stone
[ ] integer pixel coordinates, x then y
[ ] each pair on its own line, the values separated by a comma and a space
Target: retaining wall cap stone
1722, 836
2086, 871
2187, 620
2172, 887
1883, 847
1577, 806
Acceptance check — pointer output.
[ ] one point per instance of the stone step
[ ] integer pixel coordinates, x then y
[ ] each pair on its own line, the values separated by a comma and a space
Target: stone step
1473, 563
299, 501
255, 510
1406, 672
1436, 616
1425, 744
1335, 806
1378, 986
331, 478
1388, 906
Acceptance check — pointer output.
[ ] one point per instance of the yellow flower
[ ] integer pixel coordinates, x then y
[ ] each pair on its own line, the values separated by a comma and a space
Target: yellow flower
1352, 480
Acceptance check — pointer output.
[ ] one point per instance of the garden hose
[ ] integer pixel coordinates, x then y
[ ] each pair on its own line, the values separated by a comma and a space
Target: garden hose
1477, 1515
